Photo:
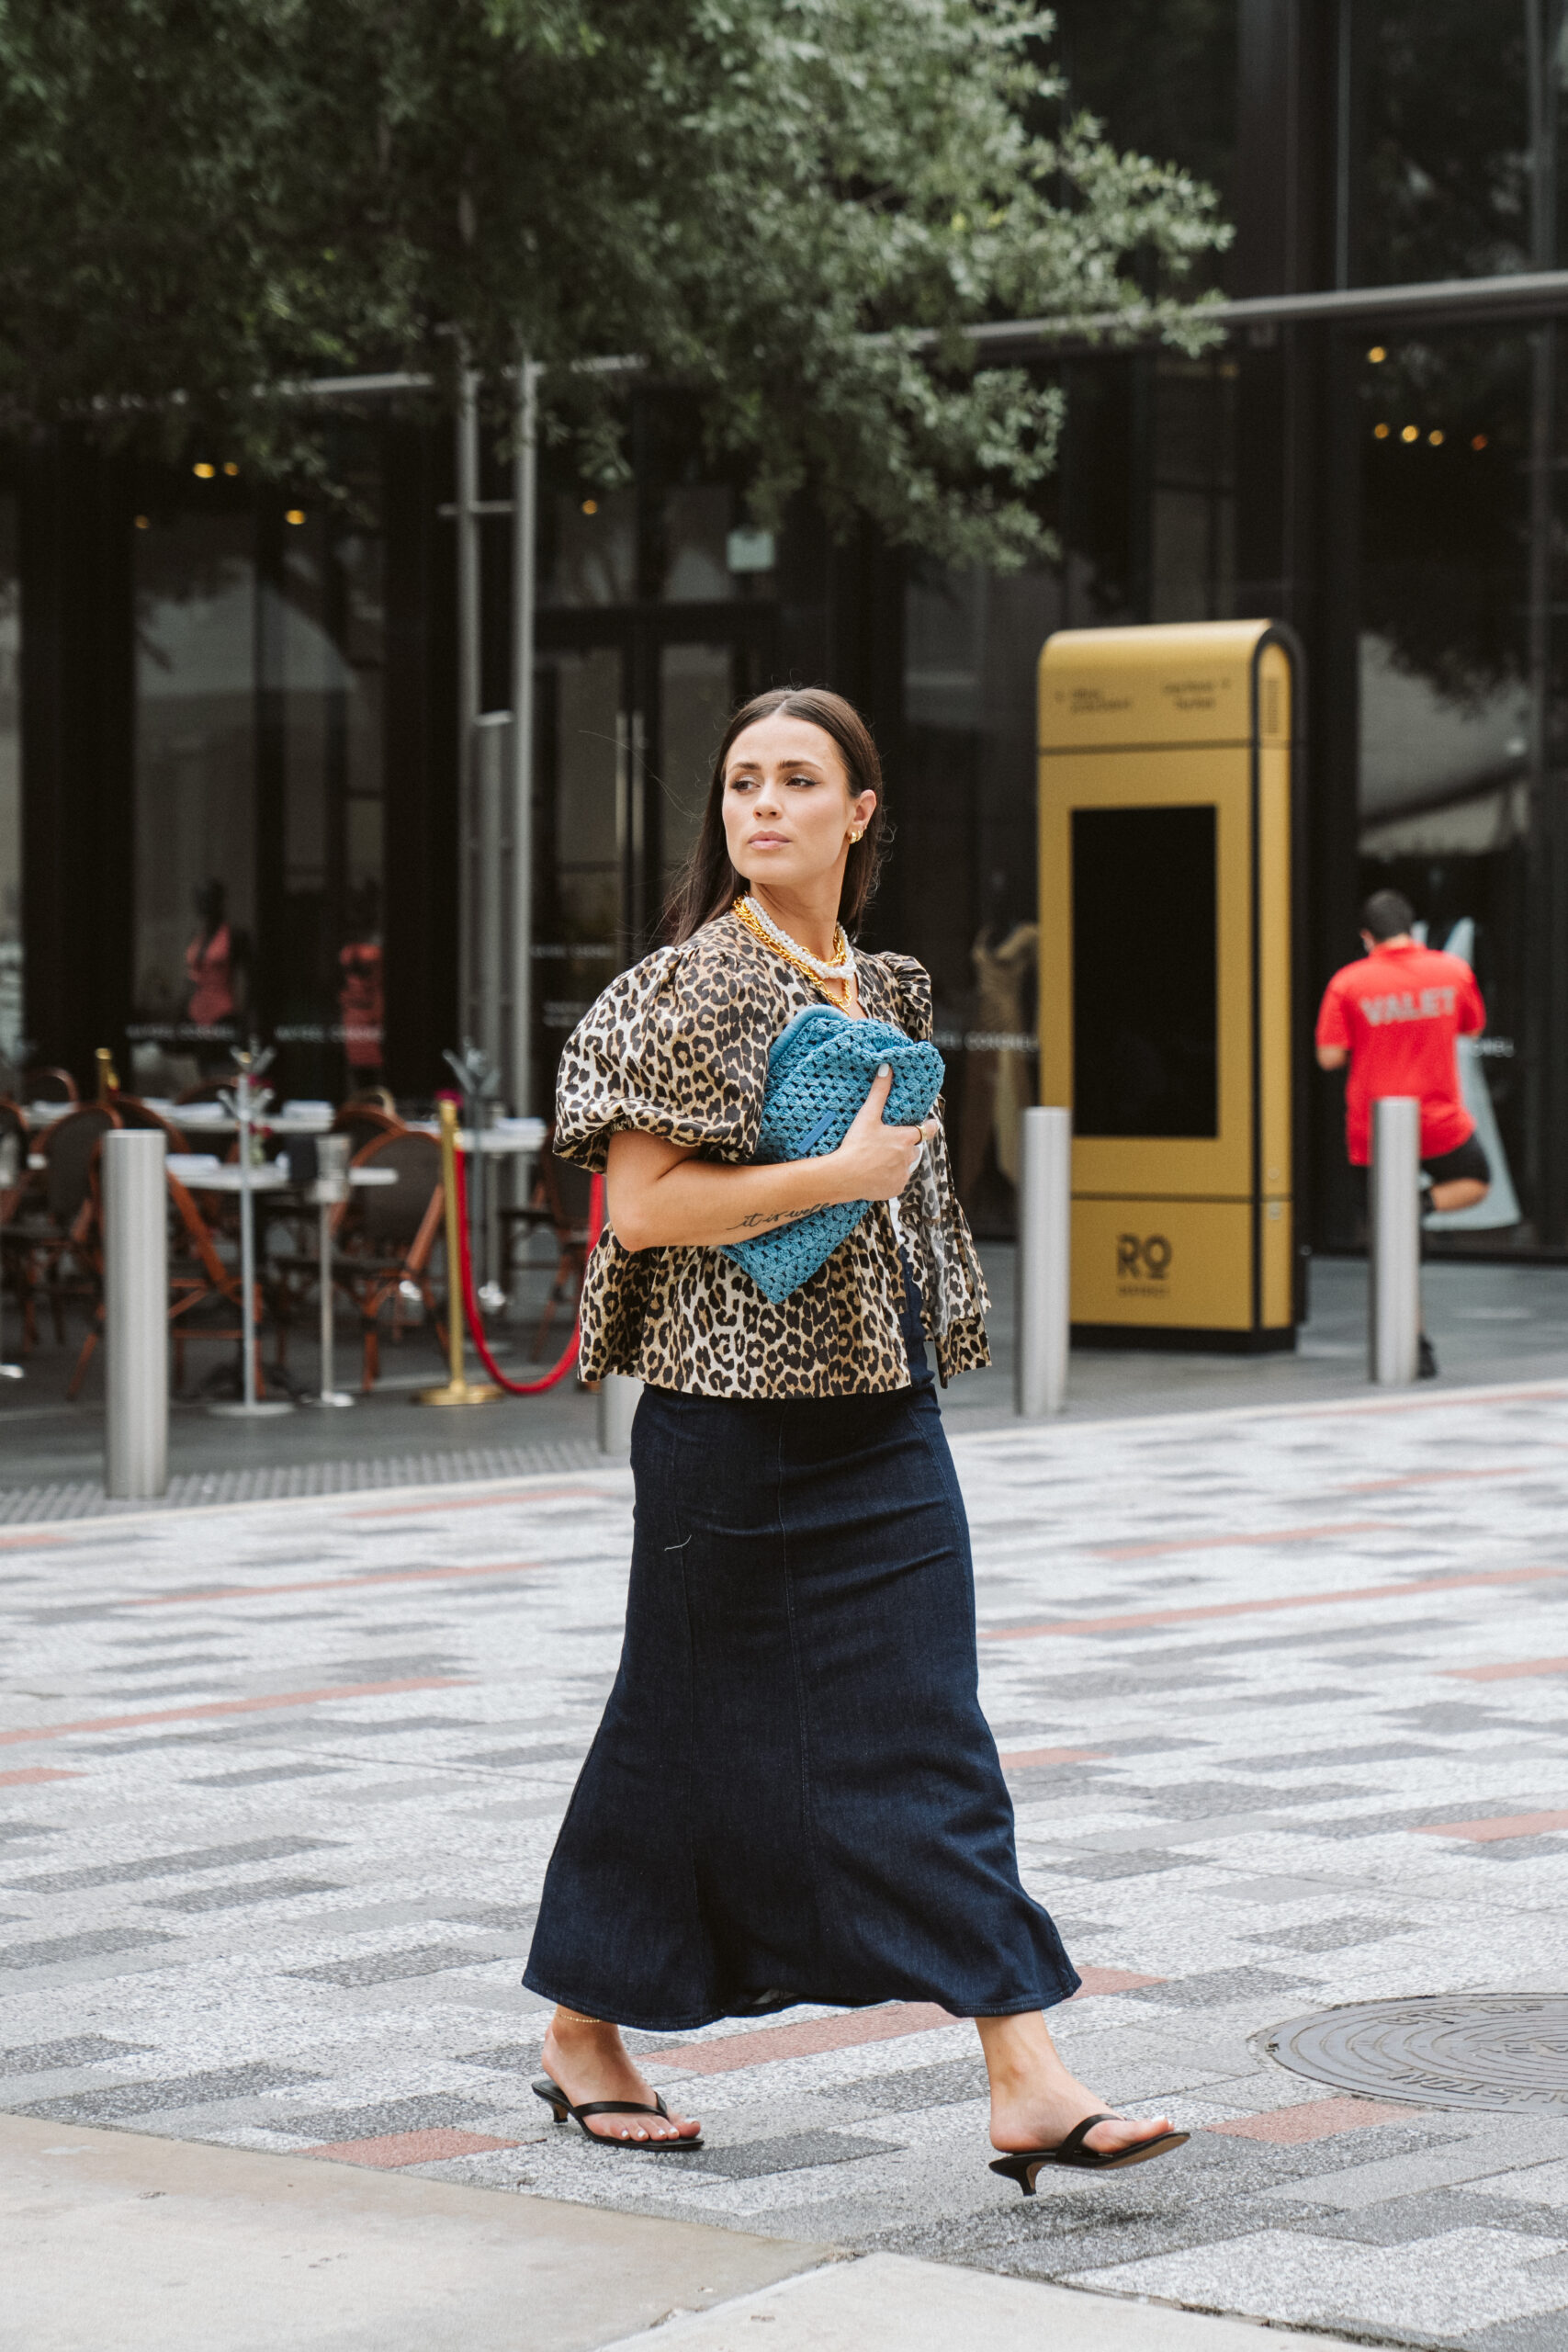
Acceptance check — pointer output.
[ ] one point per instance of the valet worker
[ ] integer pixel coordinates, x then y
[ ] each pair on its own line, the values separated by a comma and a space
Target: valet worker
1394, 1017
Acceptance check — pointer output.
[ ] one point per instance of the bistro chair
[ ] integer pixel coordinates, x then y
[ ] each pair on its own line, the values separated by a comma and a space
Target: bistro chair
372, 1098
50, 1086
364, 1122
386, 1235
134, 1112
199, 1277
13, 1196
568, 1195
13, 1121
64, 1230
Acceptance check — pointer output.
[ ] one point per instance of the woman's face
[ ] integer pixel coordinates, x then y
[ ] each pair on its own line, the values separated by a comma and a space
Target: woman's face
788, 810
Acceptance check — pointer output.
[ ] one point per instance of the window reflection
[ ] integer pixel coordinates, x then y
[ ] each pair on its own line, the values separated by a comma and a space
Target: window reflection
11, 1051
1450, 708
194, 873
967, 795
580, 794
259, 809
697, 520
696, 694
1447, 188
589, 550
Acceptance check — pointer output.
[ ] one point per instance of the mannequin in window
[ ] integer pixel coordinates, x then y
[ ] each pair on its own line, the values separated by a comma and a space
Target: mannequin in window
215, 961
362, 1005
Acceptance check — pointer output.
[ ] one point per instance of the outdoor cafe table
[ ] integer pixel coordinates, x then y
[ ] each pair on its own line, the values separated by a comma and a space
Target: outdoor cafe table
202, 1173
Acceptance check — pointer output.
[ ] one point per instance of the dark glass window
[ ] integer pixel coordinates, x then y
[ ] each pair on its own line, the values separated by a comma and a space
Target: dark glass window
1145, 1059
1446, 186
1462, 765
1162, 78
10, 793
259, 815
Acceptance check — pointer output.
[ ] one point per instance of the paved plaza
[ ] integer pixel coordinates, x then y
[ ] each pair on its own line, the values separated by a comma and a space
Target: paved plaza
1280, 1695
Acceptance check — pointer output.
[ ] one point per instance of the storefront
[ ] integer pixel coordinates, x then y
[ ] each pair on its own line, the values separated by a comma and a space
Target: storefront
231, 772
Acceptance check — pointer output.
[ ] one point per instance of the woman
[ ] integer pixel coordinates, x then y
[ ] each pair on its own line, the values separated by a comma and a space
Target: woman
794, 1796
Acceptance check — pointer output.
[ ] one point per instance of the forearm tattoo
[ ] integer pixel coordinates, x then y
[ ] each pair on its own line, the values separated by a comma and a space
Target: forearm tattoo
776, 1216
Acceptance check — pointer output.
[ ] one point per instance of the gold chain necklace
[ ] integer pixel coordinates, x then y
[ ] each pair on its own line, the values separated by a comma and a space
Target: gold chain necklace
746, 916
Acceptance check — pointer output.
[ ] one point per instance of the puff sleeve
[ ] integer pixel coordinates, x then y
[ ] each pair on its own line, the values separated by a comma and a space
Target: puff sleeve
676, 1046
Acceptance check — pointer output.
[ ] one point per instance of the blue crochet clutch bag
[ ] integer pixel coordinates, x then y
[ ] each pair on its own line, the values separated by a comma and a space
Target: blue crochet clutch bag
820, 1072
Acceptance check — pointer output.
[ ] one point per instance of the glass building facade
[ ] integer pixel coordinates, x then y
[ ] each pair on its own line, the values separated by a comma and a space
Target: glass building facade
229, 715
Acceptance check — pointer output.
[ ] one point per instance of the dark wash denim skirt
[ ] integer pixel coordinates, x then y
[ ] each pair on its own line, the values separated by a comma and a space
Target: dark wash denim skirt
794, 1796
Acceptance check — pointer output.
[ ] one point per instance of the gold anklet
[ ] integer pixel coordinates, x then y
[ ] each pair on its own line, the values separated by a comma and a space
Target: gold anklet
577, 2017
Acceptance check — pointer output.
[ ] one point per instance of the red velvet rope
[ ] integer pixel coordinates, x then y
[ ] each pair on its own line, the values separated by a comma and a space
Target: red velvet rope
471, 1307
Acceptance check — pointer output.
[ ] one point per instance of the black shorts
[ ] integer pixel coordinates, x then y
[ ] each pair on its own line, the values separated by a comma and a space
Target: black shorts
1466, 1162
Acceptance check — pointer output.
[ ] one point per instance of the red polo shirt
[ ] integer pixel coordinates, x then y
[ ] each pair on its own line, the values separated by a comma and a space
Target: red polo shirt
1399, 1010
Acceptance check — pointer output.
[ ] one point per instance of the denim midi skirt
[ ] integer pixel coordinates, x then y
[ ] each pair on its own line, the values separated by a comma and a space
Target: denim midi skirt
794, 1796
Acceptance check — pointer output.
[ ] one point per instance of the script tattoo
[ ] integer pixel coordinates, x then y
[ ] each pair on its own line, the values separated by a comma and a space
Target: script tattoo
776, 1217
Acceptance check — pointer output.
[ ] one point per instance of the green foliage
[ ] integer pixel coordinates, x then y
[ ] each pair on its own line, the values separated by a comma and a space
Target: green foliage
793, 205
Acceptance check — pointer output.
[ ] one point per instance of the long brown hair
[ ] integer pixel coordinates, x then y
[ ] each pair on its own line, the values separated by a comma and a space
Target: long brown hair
708, 884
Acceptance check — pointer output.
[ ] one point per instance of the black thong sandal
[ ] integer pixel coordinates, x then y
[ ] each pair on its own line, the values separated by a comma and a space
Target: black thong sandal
562, 2107
1073, 2153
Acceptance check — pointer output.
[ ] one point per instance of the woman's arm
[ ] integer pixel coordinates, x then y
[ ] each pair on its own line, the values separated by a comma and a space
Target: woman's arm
660, 1197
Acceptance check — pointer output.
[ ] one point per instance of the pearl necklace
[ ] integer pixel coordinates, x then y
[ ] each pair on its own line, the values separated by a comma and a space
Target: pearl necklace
838, 969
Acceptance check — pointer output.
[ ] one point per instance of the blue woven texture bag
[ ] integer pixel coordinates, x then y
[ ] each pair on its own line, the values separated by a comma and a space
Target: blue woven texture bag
820, 1072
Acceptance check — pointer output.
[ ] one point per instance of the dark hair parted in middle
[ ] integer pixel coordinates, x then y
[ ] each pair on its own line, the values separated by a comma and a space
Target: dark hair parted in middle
710, 884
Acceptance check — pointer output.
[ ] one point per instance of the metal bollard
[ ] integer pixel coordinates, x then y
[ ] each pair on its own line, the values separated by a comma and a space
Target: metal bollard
618, 1397
1045, 1261
1393, 1286
136, 1314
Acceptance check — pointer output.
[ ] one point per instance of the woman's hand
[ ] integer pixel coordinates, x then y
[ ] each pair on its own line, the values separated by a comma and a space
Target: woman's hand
875, 1162
660, 1196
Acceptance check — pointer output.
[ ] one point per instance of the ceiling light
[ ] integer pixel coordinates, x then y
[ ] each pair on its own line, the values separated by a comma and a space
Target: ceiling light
1377, 354
204, 472
145, 522
1410, 433
229, 467
294, 514
1436, 438
1380, 432
591, 506
1478, 441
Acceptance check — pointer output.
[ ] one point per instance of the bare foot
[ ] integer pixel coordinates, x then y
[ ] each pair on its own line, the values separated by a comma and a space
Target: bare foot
1035, 2102
590, 2061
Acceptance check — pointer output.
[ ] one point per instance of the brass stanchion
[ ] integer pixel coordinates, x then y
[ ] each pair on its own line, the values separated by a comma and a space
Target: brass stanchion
458, 1389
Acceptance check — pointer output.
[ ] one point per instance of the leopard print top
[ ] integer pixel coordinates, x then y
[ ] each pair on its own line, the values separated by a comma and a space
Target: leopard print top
678, 1046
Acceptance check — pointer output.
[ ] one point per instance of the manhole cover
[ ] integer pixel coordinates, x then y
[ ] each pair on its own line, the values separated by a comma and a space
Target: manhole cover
1488, 2050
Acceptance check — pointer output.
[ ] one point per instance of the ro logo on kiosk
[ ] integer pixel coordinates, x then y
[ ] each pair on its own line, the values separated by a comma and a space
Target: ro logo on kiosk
1143, 1260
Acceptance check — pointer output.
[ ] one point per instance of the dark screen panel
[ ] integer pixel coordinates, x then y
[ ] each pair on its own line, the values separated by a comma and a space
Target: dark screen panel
1146, 953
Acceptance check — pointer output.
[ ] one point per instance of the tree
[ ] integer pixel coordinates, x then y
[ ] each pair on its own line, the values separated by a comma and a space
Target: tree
793, 205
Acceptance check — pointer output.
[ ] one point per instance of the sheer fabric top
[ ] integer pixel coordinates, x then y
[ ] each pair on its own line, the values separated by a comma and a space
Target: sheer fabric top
678, 1046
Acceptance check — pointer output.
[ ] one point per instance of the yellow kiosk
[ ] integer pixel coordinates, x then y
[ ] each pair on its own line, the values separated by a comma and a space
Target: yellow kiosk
1167, 775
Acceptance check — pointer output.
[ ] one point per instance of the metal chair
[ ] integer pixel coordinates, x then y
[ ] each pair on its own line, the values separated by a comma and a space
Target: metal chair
50, 1085
568, 1193
363, 1122
199, 1276
134, 1112
64, 1227
386, 1235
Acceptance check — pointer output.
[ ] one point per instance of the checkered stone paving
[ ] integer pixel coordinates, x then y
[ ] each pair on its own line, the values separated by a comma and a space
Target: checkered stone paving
1282, 1696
